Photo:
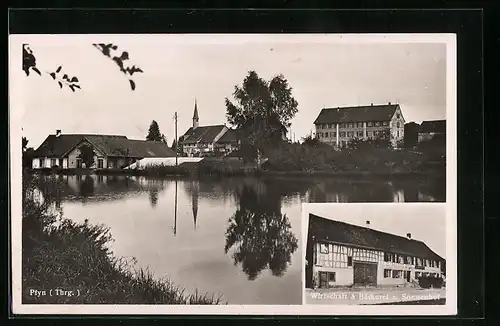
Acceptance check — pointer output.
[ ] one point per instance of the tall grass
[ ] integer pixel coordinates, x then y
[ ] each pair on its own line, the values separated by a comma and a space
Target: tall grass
60, 254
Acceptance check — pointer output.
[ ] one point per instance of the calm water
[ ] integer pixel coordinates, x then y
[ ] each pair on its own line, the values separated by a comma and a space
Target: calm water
239, 237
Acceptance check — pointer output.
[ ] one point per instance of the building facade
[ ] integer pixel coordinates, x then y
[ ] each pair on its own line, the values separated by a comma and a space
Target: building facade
430, 129
213, 140
340, 254
110, 151
338, 126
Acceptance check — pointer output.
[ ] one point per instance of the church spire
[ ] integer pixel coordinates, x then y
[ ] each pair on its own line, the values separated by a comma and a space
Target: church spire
195, 115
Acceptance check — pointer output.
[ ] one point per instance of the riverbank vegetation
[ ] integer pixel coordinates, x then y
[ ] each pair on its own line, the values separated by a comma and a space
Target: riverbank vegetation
60, 254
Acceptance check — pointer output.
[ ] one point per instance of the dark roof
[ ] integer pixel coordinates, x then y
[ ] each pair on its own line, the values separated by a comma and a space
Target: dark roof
331, 230
357, 114
438, 126
110, 145
205, 134
231, 136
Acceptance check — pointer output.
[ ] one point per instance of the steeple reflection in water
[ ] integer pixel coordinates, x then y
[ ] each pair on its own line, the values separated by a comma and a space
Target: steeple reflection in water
258, 235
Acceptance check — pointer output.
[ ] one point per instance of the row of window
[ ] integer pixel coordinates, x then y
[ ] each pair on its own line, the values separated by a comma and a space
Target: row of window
354, 125
395, 258
351, 134
395, 273
79, 162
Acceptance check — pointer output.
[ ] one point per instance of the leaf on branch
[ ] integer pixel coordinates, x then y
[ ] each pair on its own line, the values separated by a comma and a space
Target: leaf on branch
132, 84
74, 80
58, 69
65, 77
36, 70
72, 87
60, 84
77, 86
53, 74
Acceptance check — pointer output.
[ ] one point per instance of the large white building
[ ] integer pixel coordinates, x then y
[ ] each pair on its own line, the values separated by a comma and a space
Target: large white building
338, 126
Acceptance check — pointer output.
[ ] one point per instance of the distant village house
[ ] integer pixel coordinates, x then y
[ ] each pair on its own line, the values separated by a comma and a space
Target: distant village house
341, 254
429, 129
338, 126
63, 150
213, 140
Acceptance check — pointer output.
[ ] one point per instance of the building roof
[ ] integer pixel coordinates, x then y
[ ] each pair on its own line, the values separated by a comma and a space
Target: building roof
202, 134
231, 136
330, 230
357, 114
110, 145
438, 126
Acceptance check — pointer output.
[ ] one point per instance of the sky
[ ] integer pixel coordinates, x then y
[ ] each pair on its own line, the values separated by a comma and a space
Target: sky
323, 72
425, 221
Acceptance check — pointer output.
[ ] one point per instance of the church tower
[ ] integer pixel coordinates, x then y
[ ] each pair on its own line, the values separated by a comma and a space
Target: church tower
196, 120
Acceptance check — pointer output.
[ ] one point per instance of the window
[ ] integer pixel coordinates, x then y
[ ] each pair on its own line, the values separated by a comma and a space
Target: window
360, 124
369, 133
42, 162
334, 134
349, 261
370, 124
323, 248
351, 125
387, 273
342, 134
350, 133
408, 260
331, 277
100, 163
360, 134
79, 163
377, 124
396, 274
397, 124
397, 115
386, 123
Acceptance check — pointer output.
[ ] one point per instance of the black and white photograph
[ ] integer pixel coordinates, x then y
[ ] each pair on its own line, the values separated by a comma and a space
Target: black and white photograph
376, 254
172, 169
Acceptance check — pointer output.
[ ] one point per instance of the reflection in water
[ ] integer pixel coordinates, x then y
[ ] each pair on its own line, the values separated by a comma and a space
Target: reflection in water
246, 216
259, 234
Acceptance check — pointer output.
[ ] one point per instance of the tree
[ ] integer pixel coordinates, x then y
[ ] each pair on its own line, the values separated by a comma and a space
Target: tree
310, 141
25, 143
27, 153
262, 110
154, 133
87, 155
29, 64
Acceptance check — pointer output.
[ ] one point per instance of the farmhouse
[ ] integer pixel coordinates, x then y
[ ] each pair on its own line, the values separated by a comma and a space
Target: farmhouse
341, 254
208, 140
110, 151
430, 129
337, 126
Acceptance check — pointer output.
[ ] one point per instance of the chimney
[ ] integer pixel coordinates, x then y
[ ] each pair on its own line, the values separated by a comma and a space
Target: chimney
408, 235
371, 104
58, 132
367, 223
389, 103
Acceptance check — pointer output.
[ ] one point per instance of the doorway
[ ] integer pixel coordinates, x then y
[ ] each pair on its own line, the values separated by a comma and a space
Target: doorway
365, 273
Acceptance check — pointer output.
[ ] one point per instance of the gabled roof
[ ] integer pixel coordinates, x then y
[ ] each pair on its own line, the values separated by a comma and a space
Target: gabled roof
357, 114
202, 134
231, 136
330, 230
110, 145
438, 126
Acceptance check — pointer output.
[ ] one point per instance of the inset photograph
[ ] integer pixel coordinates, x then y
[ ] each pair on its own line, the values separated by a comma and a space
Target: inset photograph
366, 254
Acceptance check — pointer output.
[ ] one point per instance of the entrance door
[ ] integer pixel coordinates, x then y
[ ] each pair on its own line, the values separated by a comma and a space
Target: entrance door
365, 273
408, 273
323, 279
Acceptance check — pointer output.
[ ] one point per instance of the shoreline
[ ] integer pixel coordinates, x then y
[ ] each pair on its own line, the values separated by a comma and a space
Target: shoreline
257, 173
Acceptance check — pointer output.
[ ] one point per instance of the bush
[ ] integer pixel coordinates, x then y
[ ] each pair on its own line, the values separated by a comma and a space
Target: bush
427, 282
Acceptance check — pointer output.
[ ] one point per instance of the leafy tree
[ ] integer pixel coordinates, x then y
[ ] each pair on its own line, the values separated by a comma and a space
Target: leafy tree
262, 110
63, 79
87, 155
25, 143
310, 141
154, 133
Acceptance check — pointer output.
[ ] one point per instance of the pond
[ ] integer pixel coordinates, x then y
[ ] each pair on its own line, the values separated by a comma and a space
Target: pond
237, 237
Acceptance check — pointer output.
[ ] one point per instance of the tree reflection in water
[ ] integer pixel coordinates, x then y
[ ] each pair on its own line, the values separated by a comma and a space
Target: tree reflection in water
86, 186
259, 234
153, 197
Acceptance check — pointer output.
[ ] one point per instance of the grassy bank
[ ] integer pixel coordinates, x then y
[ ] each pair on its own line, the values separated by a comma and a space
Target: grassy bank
62, 255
